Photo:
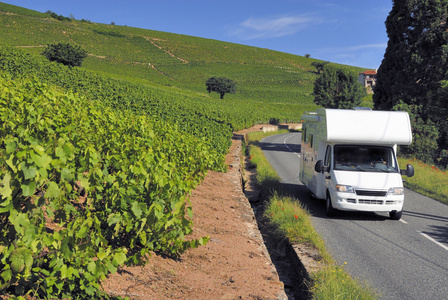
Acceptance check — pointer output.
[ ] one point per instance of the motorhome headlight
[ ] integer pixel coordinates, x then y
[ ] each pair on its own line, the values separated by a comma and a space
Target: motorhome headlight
344, 188
396, 191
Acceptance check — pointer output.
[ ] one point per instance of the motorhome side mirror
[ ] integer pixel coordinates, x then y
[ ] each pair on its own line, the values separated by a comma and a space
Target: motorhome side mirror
409, 171
320, 168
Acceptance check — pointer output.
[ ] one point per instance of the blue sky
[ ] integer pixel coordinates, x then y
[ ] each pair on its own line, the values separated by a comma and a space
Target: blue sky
349, 32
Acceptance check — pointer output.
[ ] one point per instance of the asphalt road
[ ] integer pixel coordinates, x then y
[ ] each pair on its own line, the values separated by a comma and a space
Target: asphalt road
406, 259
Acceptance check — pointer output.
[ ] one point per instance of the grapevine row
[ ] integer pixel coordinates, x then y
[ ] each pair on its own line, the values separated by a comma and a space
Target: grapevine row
85, 190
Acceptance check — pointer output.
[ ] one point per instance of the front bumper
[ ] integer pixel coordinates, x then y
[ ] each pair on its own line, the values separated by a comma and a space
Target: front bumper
353, 202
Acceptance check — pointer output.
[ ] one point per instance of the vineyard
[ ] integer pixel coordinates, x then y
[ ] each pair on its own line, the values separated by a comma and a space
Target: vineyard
86, 189
97, 163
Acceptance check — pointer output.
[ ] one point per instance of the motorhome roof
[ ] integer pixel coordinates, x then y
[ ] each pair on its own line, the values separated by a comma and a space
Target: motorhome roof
363, 126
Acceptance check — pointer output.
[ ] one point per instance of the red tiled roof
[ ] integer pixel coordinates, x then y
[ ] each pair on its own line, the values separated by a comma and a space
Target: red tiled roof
369, 72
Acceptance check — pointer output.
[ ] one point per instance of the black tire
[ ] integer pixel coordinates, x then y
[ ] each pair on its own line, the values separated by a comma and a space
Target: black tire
331, 212
395, 215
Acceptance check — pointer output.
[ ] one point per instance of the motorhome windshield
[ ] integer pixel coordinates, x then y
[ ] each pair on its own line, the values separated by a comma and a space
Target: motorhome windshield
364, 158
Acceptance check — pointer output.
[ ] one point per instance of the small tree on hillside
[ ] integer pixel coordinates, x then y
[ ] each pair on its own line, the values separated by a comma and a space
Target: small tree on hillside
66, 54
338, 88
221, 85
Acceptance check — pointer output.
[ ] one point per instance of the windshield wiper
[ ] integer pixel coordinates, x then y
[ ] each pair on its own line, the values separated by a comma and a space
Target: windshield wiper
360, 168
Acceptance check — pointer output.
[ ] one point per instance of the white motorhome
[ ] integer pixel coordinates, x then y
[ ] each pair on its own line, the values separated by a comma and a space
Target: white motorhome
349, 159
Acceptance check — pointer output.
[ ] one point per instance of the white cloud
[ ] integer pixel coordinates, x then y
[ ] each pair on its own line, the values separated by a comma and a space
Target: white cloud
367, 46
363, 55
272, 27
352, 50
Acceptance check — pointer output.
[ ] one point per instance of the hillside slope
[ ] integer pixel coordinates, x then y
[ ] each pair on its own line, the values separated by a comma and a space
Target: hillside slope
281, 82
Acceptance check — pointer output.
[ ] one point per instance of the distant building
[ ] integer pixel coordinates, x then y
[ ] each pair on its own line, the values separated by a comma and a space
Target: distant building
368, 79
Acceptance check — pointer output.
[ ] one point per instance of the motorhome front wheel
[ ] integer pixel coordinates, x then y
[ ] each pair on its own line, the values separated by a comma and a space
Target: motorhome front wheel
331, 212
395, 215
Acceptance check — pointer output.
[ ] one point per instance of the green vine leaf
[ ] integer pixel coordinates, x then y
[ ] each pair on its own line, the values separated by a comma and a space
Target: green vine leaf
5, 188
41, 160
136, 209
53, 190
7, 276
113, 219
93, 268
11, 147
29, 172
20, 259
28, 189
119, 258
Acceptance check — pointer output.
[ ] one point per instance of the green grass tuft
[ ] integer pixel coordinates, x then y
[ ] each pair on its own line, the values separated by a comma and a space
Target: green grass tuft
333, 282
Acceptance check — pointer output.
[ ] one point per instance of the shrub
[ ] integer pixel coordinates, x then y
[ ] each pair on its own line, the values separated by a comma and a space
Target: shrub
66, 54
58, 17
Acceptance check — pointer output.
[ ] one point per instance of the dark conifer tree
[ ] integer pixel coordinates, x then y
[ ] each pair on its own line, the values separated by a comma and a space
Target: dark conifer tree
414, 68
416, 57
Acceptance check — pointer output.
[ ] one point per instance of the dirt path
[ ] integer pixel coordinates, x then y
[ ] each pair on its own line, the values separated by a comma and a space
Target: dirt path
233, 265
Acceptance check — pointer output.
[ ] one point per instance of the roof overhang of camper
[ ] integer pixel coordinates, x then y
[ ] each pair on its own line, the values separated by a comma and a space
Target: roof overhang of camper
366, 126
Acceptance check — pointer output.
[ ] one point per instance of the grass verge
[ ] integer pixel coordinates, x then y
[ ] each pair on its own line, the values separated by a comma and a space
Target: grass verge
428, 180
293, 222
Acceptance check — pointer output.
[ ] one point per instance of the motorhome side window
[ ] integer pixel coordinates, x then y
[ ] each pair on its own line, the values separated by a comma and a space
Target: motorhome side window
304, 134
364, 158
327, 161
